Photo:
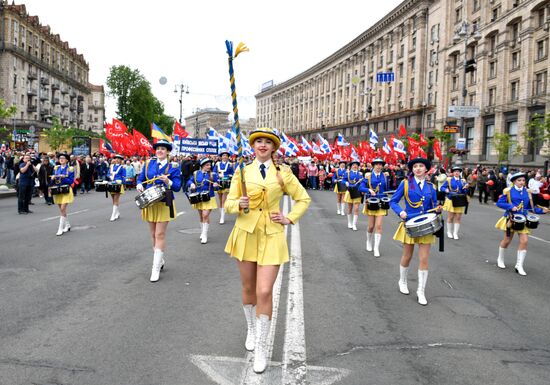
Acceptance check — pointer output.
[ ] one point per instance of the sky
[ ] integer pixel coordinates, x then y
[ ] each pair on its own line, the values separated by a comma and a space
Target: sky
184, 41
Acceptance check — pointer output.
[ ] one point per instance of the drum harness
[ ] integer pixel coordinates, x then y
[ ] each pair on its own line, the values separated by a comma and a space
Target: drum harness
458, 191
169, 199
354, 181
377, 189
57, 177
415, 205
520, 209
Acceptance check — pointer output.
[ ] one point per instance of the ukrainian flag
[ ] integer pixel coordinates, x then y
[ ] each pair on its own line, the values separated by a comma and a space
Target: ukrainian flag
157, 133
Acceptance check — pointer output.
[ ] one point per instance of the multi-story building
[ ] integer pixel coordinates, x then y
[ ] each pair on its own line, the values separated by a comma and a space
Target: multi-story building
426, 44
42, 75
96, 108
202, 119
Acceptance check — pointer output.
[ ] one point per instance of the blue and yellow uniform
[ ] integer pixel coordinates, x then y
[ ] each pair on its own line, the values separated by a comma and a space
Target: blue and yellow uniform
338, 176
224, 171
117, 174
455, 186
510, 198
352, 179
160, 211
63, 175
204, 181
417, 202
378, 183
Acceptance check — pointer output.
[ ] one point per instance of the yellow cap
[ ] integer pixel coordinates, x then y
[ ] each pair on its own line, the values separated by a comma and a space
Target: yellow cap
265, 133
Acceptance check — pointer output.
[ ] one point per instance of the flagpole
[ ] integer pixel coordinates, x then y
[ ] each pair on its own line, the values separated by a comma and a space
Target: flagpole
240, 48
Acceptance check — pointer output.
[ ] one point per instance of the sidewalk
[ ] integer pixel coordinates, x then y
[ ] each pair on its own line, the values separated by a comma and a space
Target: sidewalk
6, 192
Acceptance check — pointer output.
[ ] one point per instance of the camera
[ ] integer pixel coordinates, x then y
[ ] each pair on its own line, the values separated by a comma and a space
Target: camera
35, 161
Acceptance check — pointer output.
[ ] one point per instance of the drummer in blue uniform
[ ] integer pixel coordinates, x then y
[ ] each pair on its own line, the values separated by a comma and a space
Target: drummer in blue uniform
454, 185
204, 180
117, 176
338, 177
224, 170
374, 185
517, 201
353, 179
159, 171
420, 197
63, 175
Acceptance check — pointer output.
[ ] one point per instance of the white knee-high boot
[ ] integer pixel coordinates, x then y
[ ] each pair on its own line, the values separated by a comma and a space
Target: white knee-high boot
350, 221
343, 210
500, 259
377, 238
202, 231
519, 262
369, 241
113, 214
157, 262
205, 232
354, 223
455, 233
450, 230
61, 226
263, 323
117, 212
420, 292
338, 208
403, 288
67, 226
222, 216
250, 314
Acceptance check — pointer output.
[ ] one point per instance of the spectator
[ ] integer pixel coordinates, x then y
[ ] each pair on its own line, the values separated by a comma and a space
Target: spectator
44, 173
26, 183
312, 173
482, 180
302, 174
87, 174
188, 166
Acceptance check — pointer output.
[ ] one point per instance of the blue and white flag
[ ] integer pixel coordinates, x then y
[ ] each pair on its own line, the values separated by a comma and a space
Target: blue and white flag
354, 155
341, 141
325, 146
305, 145
290, 148
316, 149
373, 139
398, 146
386, 148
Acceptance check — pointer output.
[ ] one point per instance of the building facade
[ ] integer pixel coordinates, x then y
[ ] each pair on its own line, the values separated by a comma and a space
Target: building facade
95, 112
203, 119
429, 46
43, 76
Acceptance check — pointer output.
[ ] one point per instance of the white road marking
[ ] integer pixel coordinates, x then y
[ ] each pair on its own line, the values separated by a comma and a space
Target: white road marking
539, 239
180, 213
57, 217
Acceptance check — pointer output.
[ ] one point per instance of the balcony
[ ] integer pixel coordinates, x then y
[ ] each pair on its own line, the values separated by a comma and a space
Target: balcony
80, 98
45, 111
32, 91
43, 95
55, 101
31, 108
32, 75
64, 90
73, 94
44, 80
80, 109
64, 104
55, 86
72, 107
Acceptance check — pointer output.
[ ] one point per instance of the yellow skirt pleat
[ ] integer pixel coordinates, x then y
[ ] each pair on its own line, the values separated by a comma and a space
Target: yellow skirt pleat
402, 236
60, 199
374, 213
348, 199
448, 206
121, 191
158, 212
210, 205
501, 225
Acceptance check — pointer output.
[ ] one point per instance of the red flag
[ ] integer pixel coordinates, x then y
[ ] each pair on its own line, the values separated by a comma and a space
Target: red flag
115, 131
144, 147
414, 148
105, 148
179, 130
402, 130
437, 149
423, 142
119, 127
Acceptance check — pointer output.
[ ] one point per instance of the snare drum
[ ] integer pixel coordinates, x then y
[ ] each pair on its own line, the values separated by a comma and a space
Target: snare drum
225, 184
385, 203
194, 198
60, 189
532, 221
425, 224
101, 186
354, 192
114, 188
459, 200
518, 222
150, 196
204, 196
373, 204
341, 186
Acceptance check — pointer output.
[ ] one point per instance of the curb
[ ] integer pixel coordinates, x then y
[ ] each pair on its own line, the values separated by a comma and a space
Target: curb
8, 194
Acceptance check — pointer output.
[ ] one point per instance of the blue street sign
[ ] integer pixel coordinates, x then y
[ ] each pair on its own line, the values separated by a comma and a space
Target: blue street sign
385, 77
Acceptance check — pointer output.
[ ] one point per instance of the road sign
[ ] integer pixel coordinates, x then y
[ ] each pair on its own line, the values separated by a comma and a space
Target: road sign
451, 129
463, 112
461, 144
385, 77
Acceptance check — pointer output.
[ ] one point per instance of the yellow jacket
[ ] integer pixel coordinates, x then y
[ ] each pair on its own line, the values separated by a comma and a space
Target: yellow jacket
265, 195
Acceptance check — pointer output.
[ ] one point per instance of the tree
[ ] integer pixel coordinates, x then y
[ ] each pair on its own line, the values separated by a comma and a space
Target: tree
58, 136
136, 104
505, 147
6, 112
538, 132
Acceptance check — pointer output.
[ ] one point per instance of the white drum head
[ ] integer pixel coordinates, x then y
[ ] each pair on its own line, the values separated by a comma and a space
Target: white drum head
421, 219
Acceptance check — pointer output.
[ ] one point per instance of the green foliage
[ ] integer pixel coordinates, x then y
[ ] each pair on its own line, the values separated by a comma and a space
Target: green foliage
6, 112
538, 131
504, 145
137, 107
57, 136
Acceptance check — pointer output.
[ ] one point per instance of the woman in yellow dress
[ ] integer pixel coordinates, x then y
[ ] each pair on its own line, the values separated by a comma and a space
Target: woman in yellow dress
258, 241
353, 179
205, 182
454, 185
159, 171
117, 176
63, 175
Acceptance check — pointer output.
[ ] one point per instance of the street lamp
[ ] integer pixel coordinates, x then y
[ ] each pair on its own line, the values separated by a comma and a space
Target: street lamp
182, 88
466, 31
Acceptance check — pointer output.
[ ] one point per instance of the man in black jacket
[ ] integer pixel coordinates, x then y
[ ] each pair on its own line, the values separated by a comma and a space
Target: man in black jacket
87, 174
44, 173
188, 166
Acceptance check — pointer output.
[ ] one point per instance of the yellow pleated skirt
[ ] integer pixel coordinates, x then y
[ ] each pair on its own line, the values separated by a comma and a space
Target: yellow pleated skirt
60, 199
258, 246
210, 205
158, 212
402, 236
448, 206
347, 198
501, 225
121, 191
374, 213
336, 189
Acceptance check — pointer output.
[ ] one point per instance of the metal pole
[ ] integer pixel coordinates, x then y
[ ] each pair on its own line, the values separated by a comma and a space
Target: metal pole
464, 90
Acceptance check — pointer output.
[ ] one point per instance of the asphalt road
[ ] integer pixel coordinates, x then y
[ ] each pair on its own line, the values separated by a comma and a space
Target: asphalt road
79, 309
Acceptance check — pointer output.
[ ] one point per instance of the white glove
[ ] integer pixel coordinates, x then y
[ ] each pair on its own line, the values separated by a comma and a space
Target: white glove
193, 187
139, 187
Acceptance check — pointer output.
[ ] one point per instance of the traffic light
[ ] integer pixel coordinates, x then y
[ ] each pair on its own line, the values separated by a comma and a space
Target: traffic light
471, 65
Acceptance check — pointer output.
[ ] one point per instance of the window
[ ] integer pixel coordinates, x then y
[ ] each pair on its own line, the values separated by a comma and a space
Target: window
540, 17
515, 60
515, 31
477, 5
493, 69
492, 96
413, 64
472, 99
434, 33
400, 92
469, 137
514, 90
541, 49
512, 130
489, 134
430, 120
430, 99
473, 78
402, 50
413, 43
390, 57
400, 71
540, 83
381, 61
458, 15
454, 83
430, 78
412, 85
495, 13
493, 42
